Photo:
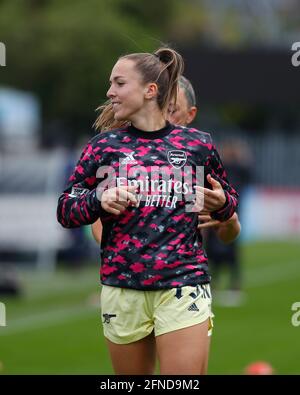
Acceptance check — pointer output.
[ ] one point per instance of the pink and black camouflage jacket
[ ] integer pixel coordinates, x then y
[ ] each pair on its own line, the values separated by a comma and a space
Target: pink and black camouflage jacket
155, 245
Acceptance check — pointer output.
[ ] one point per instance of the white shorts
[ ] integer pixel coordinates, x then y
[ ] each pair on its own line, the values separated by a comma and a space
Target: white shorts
129, 315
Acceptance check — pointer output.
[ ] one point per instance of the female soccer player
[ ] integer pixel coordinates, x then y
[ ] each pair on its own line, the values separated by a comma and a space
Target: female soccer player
141, 179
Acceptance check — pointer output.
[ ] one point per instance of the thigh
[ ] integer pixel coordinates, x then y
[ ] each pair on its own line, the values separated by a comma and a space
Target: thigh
204, 366
133, 358
184, 351
125, 315
128, 329
183, 317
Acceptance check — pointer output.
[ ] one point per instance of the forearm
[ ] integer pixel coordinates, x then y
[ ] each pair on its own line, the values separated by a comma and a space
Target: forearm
229, 230
97, 231
227, 211
79, 204
74, 211
218, 172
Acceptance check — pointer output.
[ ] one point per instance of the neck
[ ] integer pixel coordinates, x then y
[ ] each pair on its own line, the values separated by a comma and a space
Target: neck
149, 121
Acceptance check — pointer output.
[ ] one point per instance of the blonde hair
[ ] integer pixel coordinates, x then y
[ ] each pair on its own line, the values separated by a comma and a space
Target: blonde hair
164, 67
106, 121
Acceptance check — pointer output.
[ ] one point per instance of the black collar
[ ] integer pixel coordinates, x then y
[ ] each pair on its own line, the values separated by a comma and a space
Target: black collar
156, 134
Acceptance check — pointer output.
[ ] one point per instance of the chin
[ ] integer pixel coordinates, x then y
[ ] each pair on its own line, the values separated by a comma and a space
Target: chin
119, 117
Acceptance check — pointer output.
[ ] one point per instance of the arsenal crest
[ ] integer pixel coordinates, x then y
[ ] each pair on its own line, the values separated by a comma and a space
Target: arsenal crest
177, 158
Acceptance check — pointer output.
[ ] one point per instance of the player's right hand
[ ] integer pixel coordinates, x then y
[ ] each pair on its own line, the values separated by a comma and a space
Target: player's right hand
116, 200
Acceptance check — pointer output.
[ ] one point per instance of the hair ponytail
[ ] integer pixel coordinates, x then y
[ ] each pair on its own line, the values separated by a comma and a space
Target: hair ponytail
173, 64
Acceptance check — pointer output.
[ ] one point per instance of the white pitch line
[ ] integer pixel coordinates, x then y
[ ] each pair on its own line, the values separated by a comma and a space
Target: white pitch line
46, 287
46, 319
265, 275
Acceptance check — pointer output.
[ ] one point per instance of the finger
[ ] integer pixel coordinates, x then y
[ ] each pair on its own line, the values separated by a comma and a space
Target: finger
120, 206
129, 188
214, 205
213, 182
131, 197
204, 218
199, 188
113, 211
204, 212
132, 188
212, 200
209, 224
123, 203
204, 191
206, 225
198, 205
113, 199
125, 195
210, 206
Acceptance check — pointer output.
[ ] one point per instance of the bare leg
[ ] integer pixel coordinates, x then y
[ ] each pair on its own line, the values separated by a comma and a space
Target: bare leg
184, 351
133, 358
205, 361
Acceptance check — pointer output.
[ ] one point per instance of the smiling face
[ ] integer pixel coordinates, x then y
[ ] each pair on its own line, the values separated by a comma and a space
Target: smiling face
127, 91
181, 113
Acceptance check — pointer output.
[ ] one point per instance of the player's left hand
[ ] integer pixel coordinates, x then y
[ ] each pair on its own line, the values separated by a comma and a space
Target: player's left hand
206, 221
214, 198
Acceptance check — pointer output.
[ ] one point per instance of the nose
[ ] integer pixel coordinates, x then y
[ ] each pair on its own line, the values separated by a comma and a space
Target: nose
110, 94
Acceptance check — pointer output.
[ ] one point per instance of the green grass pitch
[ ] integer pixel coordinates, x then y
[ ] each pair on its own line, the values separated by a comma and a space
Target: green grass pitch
55, 328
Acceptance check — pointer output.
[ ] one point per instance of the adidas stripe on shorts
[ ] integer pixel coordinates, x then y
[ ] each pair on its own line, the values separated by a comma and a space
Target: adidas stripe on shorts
129, 315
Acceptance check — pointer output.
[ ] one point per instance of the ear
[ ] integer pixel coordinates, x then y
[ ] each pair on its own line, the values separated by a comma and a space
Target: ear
192, 112
151, 90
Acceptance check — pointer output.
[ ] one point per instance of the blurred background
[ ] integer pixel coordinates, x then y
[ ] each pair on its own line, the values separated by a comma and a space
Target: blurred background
58, 57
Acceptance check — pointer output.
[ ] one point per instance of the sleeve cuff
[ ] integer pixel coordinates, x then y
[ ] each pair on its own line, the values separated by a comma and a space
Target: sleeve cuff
225, 212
